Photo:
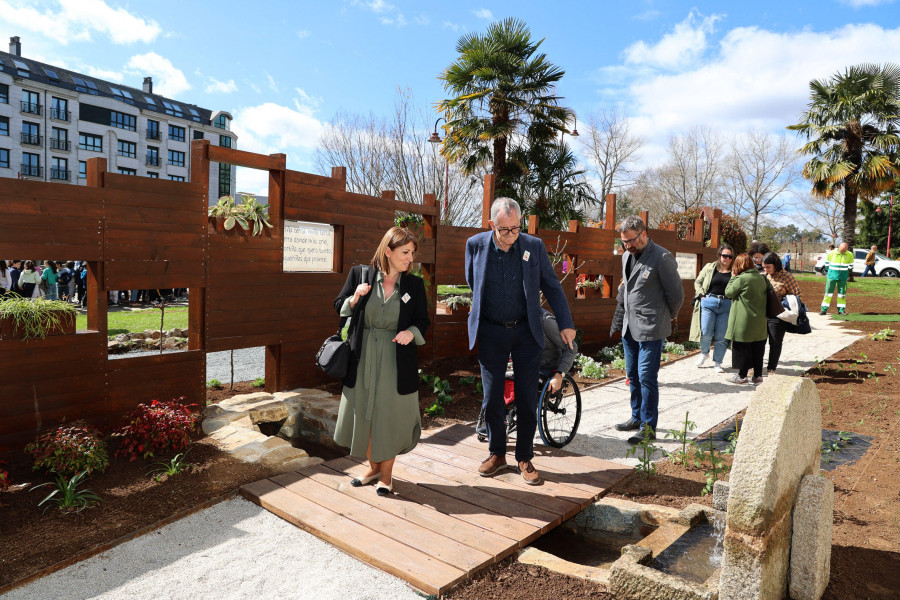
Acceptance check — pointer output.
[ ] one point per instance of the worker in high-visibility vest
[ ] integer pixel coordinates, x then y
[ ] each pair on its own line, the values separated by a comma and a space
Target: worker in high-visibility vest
838, 262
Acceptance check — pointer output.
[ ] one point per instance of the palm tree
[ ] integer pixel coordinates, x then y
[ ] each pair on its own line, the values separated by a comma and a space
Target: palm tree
545, 177
500, 87
852, 124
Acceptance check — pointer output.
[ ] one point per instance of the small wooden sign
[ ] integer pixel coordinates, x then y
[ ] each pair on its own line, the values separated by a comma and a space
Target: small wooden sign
687, 265
308, 247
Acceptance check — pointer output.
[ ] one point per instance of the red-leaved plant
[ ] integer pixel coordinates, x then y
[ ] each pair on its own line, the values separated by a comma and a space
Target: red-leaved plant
69, 449
157, 427
4, 476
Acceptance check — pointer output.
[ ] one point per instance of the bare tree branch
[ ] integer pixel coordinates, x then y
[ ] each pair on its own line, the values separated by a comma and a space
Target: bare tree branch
611, 149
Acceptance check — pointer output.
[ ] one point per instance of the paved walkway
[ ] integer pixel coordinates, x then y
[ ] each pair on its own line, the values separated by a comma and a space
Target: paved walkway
236, 550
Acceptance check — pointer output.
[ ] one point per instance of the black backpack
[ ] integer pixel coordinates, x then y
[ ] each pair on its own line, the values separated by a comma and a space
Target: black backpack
65, 276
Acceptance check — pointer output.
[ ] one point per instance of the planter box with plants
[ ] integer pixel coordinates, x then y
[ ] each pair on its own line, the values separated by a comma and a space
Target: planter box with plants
252, 216
24, 319
589, 288
452, 304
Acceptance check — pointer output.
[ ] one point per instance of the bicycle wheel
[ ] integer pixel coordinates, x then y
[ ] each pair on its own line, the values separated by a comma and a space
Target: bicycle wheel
559, 413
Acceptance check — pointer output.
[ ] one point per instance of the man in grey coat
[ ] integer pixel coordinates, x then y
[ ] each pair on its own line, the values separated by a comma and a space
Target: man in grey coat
652, 296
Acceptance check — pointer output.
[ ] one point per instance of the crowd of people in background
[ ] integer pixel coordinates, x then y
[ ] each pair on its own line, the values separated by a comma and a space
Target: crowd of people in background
67, 281
730, 304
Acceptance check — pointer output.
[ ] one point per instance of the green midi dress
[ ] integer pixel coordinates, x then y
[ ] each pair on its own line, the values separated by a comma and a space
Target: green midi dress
373, 404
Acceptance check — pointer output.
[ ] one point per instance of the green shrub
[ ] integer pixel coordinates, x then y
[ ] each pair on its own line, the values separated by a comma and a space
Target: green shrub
592, 369
157, 427
213, 383
611, 353
619, 363
732, 232
673, 348
259, 382
66, 495
69, 449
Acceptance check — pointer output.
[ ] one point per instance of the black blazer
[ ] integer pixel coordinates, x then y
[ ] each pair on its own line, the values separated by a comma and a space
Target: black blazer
414, 312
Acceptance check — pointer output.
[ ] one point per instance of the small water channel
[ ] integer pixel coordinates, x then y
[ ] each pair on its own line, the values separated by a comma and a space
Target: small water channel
696, 554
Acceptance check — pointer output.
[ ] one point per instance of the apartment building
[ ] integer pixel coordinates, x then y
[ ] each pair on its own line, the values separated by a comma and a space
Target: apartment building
52, 120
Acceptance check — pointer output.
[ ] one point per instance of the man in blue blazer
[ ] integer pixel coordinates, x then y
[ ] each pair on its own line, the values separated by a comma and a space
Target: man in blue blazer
507, 272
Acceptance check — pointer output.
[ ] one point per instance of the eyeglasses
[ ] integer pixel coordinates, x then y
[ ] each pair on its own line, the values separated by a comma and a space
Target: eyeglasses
728, 256
509, 230
631, 241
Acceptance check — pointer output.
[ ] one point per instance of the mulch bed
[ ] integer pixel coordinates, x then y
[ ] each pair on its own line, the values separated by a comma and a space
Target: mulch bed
859, 391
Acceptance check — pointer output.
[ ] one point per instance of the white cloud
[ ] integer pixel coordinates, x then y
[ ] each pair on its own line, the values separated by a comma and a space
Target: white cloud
220, 87
647, 15
303, 34
451, 26
752, 78
376, 6
483, 13
398, 21
421, 19
273, 85
683, 45
861, 3
75, 20
167, 79
104, 74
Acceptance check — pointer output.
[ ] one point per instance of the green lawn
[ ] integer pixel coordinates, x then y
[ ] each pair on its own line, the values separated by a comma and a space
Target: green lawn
453, 290
888, 287
134, 321
869, 318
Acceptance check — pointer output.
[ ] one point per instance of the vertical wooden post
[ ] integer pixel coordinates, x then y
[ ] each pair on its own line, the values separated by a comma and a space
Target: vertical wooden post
715, 229
487, 199
389, 195
429, 232
276, 198
698, 230
197, 296
533, 222
610, 221
274, 375
96, 285
340, 173
645, 217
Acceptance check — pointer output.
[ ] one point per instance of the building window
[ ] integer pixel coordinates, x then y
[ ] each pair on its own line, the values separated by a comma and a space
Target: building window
31, 102
126, 171
152, 156
4, 93
127, 149
59, 169
152, 129
82, 169
31, 164
122, 120
87, 141
152, 175
225, 141
4, 125
176, 133
221, 122
176, 158
60, 139
60, 109
224, 179
4, 158
176, 178
198, 135
31, 134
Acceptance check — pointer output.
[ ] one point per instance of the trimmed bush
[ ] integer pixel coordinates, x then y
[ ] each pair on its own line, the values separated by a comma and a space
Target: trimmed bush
69, 449
157, 427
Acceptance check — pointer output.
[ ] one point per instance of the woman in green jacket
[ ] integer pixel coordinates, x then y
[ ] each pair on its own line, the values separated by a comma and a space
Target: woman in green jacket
747, 320
711, 307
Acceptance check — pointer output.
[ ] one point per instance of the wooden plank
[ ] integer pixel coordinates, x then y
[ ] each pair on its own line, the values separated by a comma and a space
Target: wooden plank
242, 158
499, 524
329, 198
159, 187
427, 541
297, 178
426, 573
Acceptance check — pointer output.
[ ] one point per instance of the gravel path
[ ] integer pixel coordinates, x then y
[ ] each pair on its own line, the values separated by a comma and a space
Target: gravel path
249, 363
234, 550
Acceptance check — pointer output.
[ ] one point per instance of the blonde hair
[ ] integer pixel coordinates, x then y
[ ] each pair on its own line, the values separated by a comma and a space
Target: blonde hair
396, 237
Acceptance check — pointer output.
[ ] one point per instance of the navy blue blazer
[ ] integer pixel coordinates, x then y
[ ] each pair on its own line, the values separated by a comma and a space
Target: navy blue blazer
537, 276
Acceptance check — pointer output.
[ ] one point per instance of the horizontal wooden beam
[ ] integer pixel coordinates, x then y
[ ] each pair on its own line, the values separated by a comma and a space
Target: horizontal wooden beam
242, 158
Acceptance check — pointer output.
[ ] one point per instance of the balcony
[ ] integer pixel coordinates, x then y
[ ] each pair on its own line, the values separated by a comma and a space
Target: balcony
35, 109
152, 161
31, 171
153, 134
61, 174
60, 115
32, 140
59, 144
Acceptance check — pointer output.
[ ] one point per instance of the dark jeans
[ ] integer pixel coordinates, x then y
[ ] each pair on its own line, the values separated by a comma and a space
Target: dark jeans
495, 345
642, 367
748, 355
869, 269
777, 327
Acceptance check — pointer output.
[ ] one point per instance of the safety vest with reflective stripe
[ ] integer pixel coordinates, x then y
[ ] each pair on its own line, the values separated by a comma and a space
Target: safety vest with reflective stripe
839, 264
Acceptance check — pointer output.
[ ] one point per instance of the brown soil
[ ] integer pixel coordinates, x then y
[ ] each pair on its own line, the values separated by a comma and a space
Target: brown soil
860, 392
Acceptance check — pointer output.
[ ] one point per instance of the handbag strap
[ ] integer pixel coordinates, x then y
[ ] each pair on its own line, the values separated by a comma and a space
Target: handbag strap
363, 276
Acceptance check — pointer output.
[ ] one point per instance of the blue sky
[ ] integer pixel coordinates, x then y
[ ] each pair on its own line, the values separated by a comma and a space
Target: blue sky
284, 68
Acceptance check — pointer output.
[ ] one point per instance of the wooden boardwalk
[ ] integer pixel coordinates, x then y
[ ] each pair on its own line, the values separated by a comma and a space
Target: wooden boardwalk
444, 521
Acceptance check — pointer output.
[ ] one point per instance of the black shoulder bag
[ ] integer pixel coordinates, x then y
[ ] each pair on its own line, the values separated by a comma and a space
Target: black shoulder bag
334, 355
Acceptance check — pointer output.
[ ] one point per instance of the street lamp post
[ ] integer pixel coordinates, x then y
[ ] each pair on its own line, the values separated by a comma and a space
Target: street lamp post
890, 221
436, 139
573, 133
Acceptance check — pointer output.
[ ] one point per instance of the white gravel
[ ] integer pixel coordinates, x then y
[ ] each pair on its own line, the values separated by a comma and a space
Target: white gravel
249, 363
233, 550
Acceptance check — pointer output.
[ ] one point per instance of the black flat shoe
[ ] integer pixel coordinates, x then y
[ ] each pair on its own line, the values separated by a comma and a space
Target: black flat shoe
361, 481
629, 425
384, 489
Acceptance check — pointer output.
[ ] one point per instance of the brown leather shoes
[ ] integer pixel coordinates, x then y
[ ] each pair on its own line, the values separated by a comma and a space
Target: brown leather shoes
493, 464
529, 473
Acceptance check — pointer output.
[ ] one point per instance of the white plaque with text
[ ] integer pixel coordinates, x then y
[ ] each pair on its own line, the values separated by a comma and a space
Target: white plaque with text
308, 247
687, 265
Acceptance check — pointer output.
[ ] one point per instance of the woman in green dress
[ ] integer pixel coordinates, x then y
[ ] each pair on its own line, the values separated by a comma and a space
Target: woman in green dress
379, 414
